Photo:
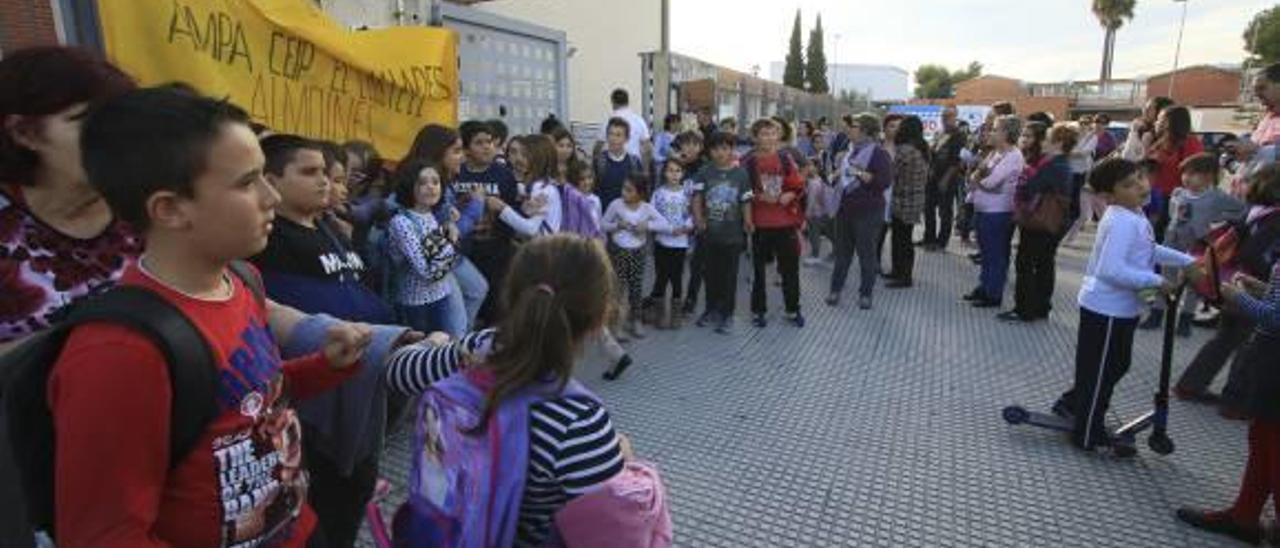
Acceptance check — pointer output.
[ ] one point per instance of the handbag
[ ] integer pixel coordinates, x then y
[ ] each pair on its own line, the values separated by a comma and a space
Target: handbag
1047, 214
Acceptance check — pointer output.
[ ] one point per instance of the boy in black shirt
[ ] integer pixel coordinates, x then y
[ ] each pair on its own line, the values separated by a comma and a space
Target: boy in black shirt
309, 265
489, 245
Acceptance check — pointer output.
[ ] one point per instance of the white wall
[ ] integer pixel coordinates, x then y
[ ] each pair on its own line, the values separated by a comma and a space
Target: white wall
608, 35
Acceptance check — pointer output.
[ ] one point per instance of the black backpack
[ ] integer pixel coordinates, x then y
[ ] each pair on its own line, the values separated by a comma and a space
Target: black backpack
26, 424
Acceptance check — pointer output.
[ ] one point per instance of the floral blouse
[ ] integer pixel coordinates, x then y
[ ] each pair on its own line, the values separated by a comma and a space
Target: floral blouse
43, 270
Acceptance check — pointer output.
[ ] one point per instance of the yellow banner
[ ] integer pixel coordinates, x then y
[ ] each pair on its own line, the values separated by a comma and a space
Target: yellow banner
291, 67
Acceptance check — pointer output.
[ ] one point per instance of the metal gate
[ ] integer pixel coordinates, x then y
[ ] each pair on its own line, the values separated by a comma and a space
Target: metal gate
509, 69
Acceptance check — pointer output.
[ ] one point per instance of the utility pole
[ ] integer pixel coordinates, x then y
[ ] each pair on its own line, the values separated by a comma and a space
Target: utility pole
1177, 52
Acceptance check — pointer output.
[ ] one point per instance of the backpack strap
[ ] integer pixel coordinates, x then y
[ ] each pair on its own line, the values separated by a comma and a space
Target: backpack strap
251, 280
192, 373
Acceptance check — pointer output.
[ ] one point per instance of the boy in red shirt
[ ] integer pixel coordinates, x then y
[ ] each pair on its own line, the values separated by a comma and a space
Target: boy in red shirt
187, 171
776, 216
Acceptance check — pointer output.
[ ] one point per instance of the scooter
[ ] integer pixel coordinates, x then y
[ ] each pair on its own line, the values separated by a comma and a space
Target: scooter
1123, 441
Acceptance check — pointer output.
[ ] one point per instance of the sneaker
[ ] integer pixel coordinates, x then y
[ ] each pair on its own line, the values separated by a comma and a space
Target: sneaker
1012, 316
1220, 522
975, 295
689, 305
812, 261
796, 319
864, 302
725, 326
1154, 320
833, 299
1062, 410
758, 320
616, 371
986, 303
898, 284
707, 318
1184, 325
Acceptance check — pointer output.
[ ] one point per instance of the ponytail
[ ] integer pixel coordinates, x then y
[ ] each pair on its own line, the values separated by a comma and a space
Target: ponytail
557, 292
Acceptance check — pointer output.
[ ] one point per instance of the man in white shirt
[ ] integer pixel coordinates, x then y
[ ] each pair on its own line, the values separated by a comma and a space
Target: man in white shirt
639, 129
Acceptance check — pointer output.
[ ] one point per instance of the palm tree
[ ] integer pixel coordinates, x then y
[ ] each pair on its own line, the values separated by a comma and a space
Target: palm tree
1111, 15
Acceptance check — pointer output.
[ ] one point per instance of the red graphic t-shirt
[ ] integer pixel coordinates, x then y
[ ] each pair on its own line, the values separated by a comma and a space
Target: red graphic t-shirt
243, 483
43, 270
771, 176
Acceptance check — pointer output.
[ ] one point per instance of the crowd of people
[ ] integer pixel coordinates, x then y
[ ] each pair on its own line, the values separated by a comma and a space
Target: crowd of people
462, 280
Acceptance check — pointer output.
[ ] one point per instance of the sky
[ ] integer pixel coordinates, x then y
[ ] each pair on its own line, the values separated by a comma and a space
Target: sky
1031, 40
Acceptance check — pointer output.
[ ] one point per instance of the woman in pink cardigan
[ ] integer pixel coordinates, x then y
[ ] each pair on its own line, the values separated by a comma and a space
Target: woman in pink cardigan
993, 185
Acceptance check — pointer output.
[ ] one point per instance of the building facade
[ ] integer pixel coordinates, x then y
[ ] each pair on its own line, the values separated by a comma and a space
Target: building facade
882, 83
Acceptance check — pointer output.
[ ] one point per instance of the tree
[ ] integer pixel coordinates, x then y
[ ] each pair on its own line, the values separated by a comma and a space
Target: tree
855, 100
793, 74
1111, 15
816, 65
1262, 37
936, 82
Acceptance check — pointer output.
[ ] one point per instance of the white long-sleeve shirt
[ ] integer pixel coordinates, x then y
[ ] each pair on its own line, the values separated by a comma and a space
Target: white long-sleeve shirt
994, 193
622, 222
1122, 263
674, 207
547, 221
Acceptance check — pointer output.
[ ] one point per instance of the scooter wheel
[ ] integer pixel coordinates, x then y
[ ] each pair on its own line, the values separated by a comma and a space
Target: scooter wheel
1015, 414
1160, 443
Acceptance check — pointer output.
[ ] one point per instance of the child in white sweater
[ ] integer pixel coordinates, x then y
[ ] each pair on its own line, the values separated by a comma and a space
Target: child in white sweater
1121, 266
628, 221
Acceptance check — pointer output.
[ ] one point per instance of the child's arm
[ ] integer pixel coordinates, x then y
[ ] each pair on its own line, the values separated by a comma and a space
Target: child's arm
315, 373
1264, 311
405, 239
471, 214
414, 368
612, 220
1167, 256
110, 400
657, 223
1113, 264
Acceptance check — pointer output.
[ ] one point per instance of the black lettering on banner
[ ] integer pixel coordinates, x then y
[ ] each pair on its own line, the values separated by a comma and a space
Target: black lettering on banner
309, 109
290, 56
221, 38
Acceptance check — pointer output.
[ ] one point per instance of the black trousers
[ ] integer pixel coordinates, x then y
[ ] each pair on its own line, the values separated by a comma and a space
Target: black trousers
939, 213
1104, 350
1233, 331
668, 266
782, 244
903, 251
721, 277
1036, 273
338, 499
881, 237
696, 269
491, 257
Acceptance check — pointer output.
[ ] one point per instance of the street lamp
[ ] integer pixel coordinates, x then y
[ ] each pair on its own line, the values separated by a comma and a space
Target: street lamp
1177, 52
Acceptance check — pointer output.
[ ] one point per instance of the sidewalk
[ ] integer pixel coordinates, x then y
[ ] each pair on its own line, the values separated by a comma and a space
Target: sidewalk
883, 428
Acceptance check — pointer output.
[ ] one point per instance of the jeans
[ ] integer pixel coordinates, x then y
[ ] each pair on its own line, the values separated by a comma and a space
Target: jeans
995, 235
939, 212
1233, 331
1033, 287
429, 317
902, 251
782, 244
857, 232
469, 290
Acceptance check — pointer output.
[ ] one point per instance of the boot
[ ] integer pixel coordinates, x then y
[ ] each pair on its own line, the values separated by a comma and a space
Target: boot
1155, 320
1184, 325
635, 329
677, 314
666, 320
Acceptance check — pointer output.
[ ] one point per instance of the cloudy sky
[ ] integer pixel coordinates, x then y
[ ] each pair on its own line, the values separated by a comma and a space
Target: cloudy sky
1035, 40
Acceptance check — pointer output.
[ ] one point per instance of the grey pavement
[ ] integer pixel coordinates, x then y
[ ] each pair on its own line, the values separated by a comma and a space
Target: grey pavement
883, 427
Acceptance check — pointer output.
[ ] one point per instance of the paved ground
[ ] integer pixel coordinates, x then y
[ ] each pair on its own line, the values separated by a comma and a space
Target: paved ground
882, 427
